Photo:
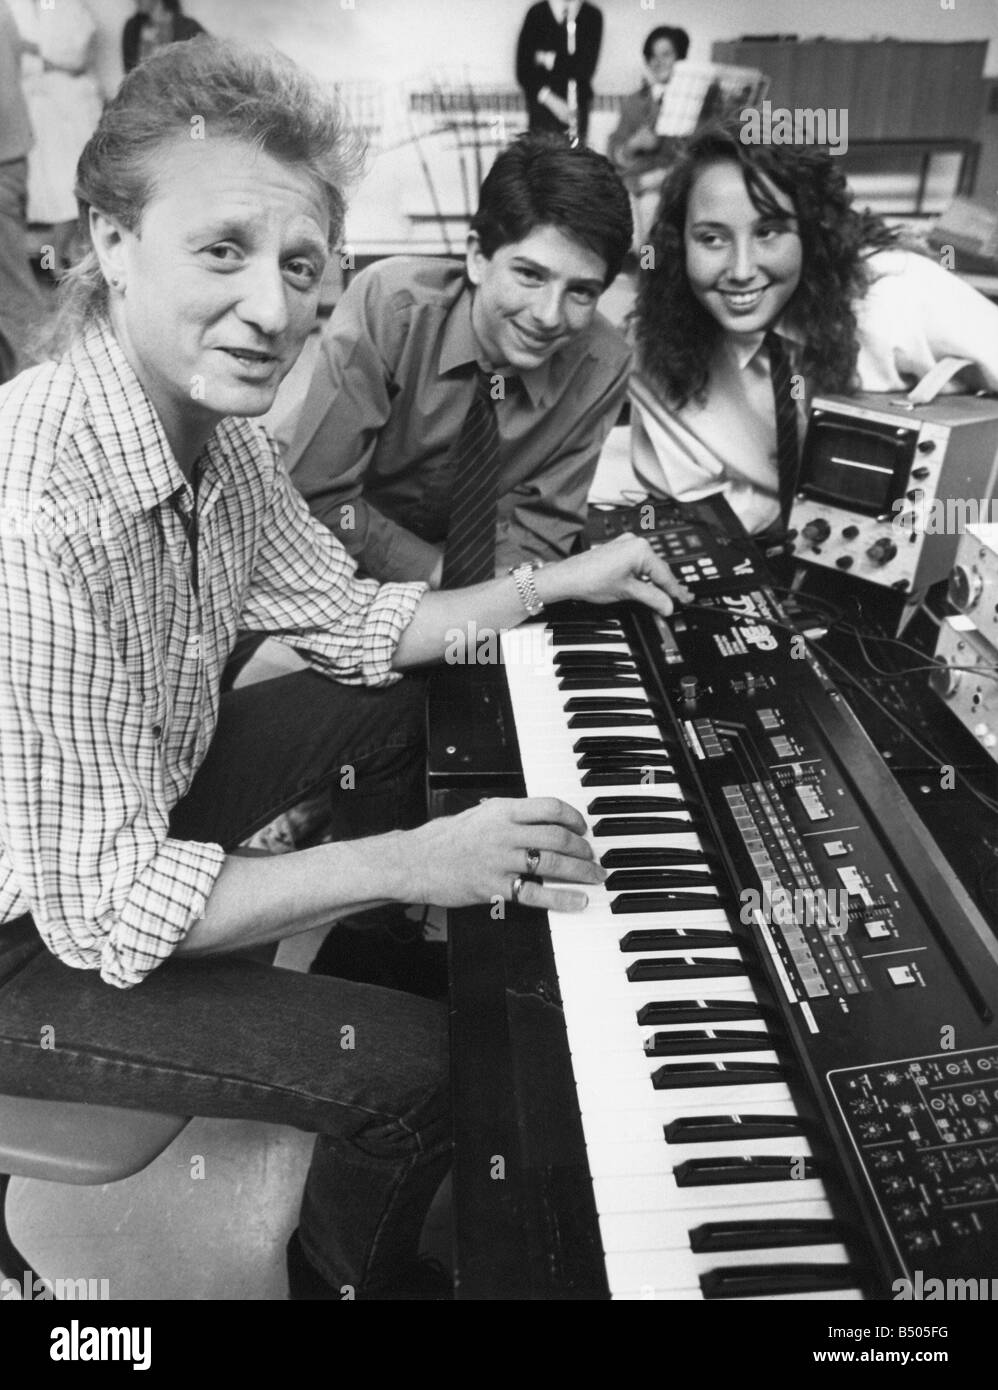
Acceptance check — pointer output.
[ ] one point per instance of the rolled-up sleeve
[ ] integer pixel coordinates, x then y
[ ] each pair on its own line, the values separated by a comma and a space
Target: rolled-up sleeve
305, 591
83, 811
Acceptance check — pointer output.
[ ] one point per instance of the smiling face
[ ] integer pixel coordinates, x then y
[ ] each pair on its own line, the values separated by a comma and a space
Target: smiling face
742, 265
661, 60
219, 282
532, 296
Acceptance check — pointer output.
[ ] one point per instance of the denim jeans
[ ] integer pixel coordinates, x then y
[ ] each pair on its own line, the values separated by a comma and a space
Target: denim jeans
364, 1068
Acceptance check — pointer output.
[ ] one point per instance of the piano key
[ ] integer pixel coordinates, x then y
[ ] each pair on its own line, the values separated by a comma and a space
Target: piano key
777, 1280
675, 939
764, 1234
670, 901
649, 856
666, 1270
599, 721
649, 1157
689, 968
623, 805
629, 777
702, 1041
647, 1193
615, 704
624, 827
735, 1129
743, 1072
670, 1230
661, 1011
647, 880
724, 1171
625, 1127
617, 743
592, 681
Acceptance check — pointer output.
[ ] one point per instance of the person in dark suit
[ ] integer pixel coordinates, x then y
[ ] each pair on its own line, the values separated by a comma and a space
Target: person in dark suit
559, 45
155, 23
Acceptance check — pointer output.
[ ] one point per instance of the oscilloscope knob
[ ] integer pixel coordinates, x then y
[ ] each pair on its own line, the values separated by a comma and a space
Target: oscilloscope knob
816, 531
964, 588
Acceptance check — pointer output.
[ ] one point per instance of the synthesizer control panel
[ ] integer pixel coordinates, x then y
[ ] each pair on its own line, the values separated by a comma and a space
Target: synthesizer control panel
885, 973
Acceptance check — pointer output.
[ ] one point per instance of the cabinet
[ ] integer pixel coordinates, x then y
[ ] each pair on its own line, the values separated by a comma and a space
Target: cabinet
892, 90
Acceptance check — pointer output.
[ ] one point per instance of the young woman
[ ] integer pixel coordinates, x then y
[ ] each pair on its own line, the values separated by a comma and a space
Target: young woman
752, 240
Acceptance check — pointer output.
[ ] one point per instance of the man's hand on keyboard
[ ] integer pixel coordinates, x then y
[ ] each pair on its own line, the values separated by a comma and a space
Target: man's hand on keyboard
485, 856
624, 568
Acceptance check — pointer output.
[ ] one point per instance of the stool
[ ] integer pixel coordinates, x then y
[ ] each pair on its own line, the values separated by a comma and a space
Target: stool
65, 1141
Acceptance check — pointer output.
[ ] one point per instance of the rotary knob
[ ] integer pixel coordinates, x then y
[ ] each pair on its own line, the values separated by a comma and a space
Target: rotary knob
816, 531
944, 680
881, 552
964, 589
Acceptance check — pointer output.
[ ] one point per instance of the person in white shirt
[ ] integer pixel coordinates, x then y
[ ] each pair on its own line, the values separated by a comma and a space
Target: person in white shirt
752, 240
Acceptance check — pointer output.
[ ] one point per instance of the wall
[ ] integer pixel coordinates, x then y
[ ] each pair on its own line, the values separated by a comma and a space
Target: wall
389, 42
386, 39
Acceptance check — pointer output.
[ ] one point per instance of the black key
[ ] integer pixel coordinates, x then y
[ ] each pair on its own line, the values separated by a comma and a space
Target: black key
759, 1281
699, 1011
648, 857
676, 1075
637, 762
662, 902
591, 703
728, 1172
649, 879
676, 939
617, 743
630, 777
764, 1234
602, 721
689, 968
598, 658
594, 681
572, 627
730, 1129
623, 805
692, 1042
562, 638
645, 825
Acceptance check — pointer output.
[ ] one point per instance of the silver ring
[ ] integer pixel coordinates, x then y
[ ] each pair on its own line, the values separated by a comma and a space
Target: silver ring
516, 890
533, 859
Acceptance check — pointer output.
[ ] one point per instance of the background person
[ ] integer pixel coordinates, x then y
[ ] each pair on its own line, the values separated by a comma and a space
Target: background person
22, 307
559, 45
652, 122
64, 103
155, 23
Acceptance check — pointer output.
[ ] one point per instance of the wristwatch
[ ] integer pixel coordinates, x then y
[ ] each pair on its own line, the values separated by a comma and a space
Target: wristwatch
523, 578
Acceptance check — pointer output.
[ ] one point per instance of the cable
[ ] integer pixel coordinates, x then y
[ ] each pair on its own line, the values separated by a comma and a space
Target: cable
931, 753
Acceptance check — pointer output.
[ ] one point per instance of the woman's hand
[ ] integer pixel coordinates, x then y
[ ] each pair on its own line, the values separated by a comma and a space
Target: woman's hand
625, 568
482, 854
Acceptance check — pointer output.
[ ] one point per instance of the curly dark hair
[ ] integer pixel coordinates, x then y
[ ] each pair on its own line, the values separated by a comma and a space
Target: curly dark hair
676, 335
